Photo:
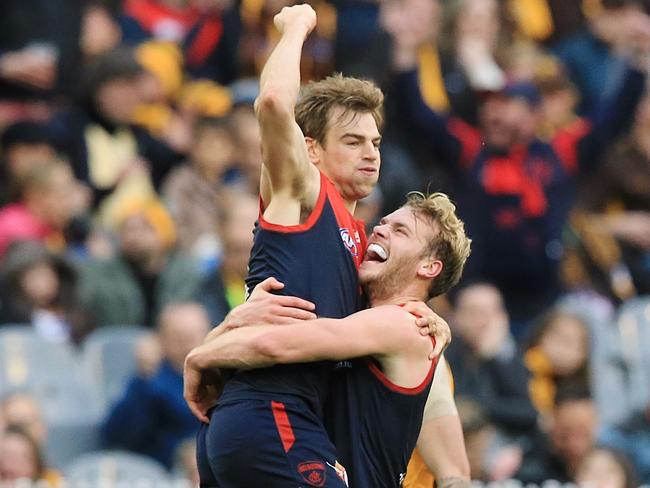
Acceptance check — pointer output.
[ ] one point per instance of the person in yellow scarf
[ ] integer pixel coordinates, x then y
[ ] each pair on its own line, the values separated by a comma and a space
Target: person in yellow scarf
559, 354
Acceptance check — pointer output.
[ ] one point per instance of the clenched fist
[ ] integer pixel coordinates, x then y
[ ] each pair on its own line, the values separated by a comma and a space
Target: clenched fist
296, 17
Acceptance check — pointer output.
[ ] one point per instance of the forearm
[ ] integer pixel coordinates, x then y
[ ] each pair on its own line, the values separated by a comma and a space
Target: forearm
239, 349
280, 78
442, 447
220, 329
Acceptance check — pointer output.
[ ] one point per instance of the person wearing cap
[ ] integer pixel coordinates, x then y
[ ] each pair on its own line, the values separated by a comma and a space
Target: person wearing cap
514, 189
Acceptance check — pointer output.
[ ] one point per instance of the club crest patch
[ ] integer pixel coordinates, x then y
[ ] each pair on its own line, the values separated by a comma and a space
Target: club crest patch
350, 241
313, 472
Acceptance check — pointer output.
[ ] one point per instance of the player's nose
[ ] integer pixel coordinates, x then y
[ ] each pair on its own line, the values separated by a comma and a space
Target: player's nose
370, 151
380, 230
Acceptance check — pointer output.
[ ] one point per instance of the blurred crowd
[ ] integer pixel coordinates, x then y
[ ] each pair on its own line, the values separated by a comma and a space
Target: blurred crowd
129, 168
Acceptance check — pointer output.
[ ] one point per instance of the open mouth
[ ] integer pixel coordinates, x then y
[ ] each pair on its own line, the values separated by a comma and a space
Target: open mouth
376, 253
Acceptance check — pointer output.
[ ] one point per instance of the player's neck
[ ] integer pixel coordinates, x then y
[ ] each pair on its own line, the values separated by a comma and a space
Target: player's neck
395, 299
351, 206
382, 293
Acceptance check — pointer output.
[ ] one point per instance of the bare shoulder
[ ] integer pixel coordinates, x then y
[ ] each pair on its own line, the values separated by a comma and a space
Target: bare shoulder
399, 329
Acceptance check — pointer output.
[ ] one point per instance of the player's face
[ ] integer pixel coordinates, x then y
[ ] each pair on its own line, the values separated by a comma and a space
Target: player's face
350, 155
396, 252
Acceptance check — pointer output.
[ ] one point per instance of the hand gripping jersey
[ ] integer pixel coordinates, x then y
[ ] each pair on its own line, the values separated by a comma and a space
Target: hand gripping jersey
374, 423
267, 428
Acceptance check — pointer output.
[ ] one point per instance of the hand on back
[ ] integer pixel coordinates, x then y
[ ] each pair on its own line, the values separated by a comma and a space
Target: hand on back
266, 308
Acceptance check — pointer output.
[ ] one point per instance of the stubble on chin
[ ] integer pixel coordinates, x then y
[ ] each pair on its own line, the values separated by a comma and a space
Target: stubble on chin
389, 282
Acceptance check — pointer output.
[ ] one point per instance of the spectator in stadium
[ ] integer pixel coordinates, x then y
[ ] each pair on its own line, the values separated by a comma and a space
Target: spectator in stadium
147, 271
612, 223
486, 362
548, 21
491, 456
194, 191
100, 31
632, 438
248, 147
40, 289
572, 434
21, 458
21, 409
40, 53
515, 189
207, 33
23, 144
603, 467
558, 354
471, 39
224, 288
45, 205
152, 417
114, 157
596, 58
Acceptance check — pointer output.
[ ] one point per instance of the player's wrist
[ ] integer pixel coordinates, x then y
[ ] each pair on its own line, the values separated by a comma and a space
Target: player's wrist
453, 482
194, 360
296, 31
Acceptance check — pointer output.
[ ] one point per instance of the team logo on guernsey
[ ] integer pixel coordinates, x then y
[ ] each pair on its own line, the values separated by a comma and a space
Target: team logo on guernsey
313, 472
349, 241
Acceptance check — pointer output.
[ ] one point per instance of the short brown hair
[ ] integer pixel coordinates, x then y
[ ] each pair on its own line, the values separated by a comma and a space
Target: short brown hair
451, 245
319, 97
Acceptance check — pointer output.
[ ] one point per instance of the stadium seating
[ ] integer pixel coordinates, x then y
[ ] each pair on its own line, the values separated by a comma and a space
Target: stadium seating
31, 362
107, 357
117, 468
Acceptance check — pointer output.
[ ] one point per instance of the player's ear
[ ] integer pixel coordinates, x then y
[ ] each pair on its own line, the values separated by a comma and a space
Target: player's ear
313, 150
430, 268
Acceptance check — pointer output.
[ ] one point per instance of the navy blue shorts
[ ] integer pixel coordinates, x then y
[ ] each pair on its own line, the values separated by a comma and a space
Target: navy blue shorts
269, 444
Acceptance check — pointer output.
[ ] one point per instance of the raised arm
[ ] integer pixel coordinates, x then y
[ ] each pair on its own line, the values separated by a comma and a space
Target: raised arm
408, 35
286, 163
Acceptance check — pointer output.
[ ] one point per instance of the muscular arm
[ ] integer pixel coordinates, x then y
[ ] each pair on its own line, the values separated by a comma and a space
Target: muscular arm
286, 163
374, 332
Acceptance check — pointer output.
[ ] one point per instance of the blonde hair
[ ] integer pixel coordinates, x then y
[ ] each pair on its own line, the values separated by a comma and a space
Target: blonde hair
450, 244
317, 99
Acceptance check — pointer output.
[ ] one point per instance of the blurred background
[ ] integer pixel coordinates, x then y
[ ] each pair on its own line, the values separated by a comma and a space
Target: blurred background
129, 168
